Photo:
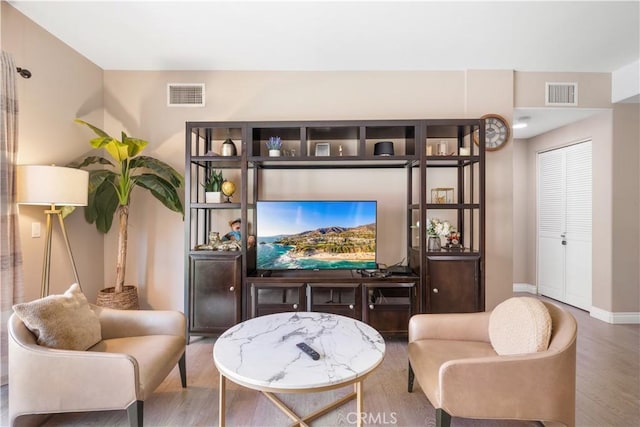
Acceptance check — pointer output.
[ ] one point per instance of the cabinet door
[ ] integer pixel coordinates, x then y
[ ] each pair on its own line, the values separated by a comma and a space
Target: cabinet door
277, 298
214, 293
388, 308
342, 299
453, 284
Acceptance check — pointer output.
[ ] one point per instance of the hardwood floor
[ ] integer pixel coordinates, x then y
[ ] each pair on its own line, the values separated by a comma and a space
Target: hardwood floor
608, 391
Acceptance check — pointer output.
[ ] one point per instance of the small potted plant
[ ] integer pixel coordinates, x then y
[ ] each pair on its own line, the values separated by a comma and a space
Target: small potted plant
274, 145
213, 187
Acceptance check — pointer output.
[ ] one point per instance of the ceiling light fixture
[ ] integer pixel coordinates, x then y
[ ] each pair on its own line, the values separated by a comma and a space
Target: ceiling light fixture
521, 122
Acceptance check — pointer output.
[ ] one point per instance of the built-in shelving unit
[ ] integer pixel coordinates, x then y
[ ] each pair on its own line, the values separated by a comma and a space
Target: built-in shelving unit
446, 280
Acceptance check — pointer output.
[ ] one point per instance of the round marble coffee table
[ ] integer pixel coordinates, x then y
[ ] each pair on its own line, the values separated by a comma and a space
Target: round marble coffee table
261, 354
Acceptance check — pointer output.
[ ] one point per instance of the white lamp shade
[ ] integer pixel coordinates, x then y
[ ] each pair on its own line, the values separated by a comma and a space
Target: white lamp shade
52, 185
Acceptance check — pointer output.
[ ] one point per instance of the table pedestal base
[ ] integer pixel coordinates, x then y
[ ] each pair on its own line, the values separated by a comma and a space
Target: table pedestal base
299, 421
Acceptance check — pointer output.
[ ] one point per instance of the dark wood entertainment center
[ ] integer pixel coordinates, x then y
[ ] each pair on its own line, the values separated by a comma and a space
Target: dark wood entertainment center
223, 287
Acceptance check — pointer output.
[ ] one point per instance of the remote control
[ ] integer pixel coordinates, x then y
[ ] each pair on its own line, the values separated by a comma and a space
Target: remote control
311, 352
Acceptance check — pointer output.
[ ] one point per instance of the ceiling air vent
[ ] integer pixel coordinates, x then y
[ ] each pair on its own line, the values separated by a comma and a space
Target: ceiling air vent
185, 94
561, 94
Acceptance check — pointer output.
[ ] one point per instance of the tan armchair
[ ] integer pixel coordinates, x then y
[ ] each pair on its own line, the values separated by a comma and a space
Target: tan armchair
139, 348
457, 368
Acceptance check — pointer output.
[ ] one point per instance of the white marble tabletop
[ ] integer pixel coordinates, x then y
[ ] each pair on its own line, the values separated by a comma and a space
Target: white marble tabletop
261, 353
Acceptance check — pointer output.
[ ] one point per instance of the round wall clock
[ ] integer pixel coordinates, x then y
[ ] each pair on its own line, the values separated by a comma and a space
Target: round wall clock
497, 132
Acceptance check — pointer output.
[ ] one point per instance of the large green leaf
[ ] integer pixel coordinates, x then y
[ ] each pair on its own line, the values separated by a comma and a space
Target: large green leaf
134, 145
161, 168
97, 131
161, 190
90, 161
98, 176
103, 206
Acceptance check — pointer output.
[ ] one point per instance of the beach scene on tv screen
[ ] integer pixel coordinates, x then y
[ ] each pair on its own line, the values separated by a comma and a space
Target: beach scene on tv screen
316, 235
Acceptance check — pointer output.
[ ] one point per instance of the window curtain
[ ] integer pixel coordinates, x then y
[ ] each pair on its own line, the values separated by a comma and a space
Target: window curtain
10, 253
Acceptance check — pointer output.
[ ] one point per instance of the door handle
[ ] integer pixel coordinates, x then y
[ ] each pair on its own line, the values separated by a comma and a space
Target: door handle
564, 243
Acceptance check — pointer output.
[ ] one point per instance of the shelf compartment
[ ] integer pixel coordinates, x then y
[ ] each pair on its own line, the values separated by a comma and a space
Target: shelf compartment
403, 138
291, 138
335, 141
207, 141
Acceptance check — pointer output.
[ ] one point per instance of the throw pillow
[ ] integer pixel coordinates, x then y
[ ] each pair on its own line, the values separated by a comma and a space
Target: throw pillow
520, 325
64, 322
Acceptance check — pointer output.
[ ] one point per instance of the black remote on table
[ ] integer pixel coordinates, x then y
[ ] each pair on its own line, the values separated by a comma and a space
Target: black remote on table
311, 352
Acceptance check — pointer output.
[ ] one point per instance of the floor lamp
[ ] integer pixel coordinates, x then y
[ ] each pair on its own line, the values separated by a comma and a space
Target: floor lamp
52, 186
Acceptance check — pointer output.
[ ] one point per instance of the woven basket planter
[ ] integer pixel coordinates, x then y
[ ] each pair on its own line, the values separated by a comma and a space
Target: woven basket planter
125, 300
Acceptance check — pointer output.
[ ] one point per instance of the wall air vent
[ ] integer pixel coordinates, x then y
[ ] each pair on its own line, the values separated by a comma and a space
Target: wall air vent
561, 94
185, 94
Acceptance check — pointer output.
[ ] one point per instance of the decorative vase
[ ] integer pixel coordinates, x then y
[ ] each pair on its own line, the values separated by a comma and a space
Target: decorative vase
229, 148
213, 197
274, 153
433, 243
125, 300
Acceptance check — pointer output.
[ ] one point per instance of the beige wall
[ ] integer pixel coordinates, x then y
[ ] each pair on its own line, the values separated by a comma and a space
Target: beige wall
523, 268
626, 209
64, 85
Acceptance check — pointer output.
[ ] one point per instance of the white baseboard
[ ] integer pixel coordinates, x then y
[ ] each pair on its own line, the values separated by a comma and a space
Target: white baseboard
525, 287
616, 318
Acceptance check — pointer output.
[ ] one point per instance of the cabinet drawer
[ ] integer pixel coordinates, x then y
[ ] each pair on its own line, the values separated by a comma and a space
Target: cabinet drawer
388, 308
343, 299
276, 298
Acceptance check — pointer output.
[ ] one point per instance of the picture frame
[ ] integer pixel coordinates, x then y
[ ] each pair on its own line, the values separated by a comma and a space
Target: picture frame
322, 149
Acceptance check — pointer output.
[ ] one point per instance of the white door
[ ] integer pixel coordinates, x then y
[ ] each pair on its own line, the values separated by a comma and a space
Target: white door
564, 224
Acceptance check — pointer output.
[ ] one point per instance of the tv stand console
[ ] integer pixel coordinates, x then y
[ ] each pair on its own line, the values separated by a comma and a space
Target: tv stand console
386, 303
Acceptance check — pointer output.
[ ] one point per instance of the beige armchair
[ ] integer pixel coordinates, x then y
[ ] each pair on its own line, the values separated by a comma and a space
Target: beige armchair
456, 366
139, 348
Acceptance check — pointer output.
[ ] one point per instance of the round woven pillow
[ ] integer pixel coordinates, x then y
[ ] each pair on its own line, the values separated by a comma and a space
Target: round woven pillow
520, 325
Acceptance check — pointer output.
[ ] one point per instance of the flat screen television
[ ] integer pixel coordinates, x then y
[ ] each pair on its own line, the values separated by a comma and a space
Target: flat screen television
316, 235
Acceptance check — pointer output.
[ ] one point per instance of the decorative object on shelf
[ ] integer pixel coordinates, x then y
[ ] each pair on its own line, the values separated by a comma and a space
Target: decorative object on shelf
465, 151
234, 234
442, 195
229, 148
228, 188
453, 240
443, 148
110, 192
497, 132
213, 187
322, 149
214, 239
383, 148
429, 150
435, 230
274, 145
433, 243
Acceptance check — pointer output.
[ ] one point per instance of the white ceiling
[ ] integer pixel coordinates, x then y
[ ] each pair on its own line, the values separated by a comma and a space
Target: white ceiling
577, 36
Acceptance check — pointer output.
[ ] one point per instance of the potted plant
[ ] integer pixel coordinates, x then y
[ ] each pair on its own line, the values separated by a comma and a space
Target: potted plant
110, 192
213, 187
435, 230
274, 145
